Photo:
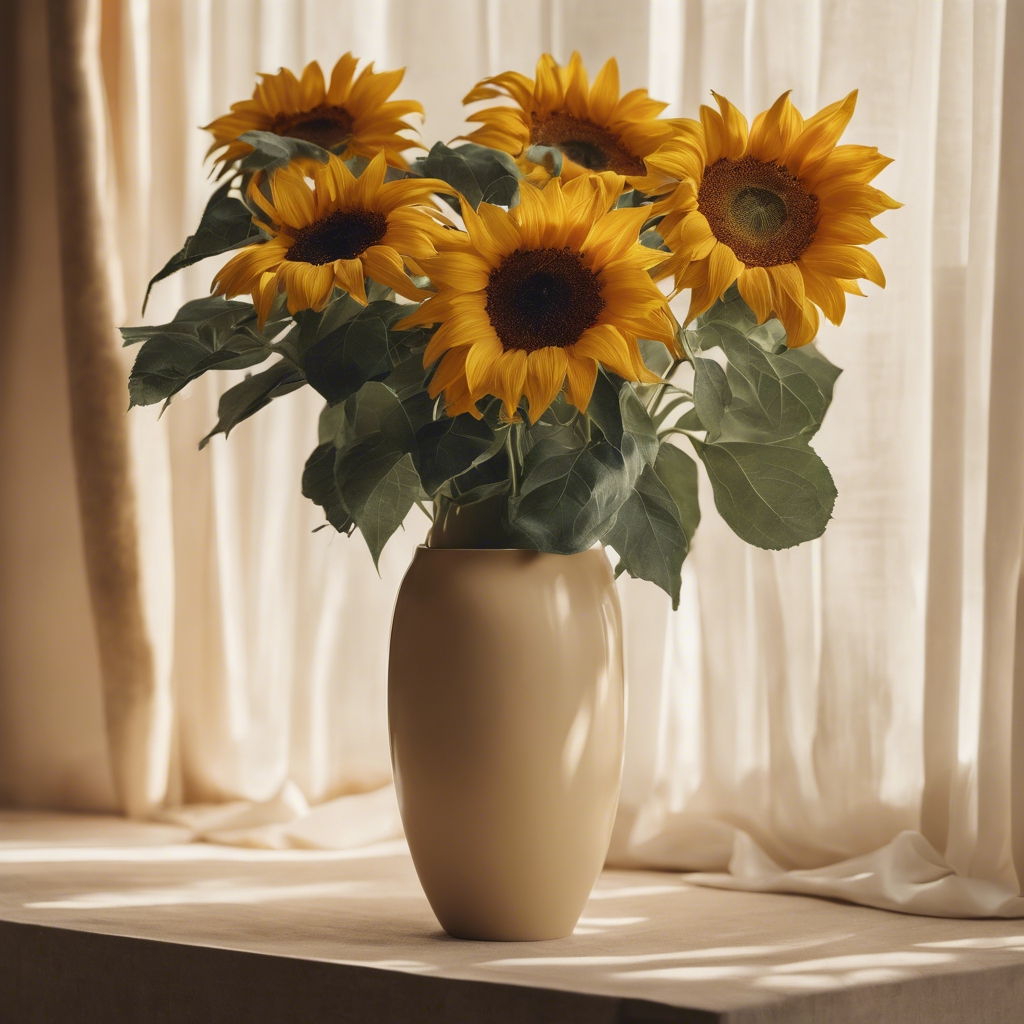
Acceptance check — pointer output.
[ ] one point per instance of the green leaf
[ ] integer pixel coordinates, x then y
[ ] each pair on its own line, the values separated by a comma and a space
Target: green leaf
770, 393
569, 495
731, 314
339, 364
378, 484
271, 151
656, 356
375, 434
549, 157
623, 419
604, 409
653, 530
313, 326
205, 334
479, 173
374, 409
639, 435
777, 396
648, 535
319, 485
652, 239
450, 446
689, 421
678, 472
711, 393
489, 475
771, 495
408, 377
252, 394
226, 224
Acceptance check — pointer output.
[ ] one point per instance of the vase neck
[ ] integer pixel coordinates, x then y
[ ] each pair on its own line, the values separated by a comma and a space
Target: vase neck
476, 524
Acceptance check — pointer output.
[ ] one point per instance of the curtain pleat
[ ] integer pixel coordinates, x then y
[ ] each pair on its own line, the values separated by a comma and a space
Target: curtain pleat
96, 394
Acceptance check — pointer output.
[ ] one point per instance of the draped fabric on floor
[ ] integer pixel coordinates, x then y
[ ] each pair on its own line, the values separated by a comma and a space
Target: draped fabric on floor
844, 718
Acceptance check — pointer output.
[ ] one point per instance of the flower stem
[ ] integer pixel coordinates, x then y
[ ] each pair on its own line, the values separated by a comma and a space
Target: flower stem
660, 393
512, 475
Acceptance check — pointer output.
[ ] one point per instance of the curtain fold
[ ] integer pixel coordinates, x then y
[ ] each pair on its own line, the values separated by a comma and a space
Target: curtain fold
97, 398
844, 718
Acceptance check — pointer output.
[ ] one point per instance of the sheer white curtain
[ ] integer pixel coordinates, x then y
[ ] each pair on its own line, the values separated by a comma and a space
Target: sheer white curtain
840, 718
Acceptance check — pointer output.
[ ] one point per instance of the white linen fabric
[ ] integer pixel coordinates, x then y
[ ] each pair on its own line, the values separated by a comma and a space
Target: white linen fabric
844, 718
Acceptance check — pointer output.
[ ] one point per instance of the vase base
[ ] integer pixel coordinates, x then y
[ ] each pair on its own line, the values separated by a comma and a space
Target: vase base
508, 935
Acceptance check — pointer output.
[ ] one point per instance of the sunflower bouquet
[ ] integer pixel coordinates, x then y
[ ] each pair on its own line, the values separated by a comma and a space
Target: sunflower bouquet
489, 325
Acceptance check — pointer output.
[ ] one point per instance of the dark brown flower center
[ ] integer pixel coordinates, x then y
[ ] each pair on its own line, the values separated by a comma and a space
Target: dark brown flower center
540, 298
341, 236
326, 127
759, 210
585, 143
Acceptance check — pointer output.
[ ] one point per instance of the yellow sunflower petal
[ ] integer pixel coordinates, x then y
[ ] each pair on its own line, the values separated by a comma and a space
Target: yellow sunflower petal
341, 79
510, 379
308, 287
547, 91
368, 184
312, 85
577, 87
349, 275
582, 375
481, 358
800, 321
775, 130
501, 229
723, 269
293, 199
450, 369
372, 88
756, 290
825, 291
844, 261
462, 270
462, 330
693, 237
385, 266
787, 281
641, 372
614, 234
529, 215
546, 370
714, 133
853, 197
847, 229
607, 345
734, 139
848, 163
241, 273
604, 93
263, 296
820, 135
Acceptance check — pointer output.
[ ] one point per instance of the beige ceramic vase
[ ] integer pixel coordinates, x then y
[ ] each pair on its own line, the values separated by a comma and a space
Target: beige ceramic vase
506, 711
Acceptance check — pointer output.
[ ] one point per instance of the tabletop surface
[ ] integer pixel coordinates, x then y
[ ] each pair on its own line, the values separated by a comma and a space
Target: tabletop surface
699, 954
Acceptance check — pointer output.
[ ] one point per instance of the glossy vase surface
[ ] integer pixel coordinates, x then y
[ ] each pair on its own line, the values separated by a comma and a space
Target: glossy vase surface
506, 712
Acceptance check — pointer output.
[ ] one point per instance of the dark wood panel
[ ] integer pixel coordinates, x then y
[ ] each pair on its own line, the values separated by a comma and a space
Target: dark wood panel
61, 976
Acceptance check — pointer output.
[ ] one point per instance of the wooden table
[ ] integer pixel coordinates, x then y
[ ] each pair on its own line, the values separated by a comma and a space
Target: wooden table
102, 920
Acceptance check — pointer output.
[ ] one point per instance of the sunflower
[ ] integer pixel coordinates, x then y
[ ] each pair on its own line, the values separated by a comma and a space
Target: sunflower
345, 117
537, 297
590, 126
337, 232
782, 211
